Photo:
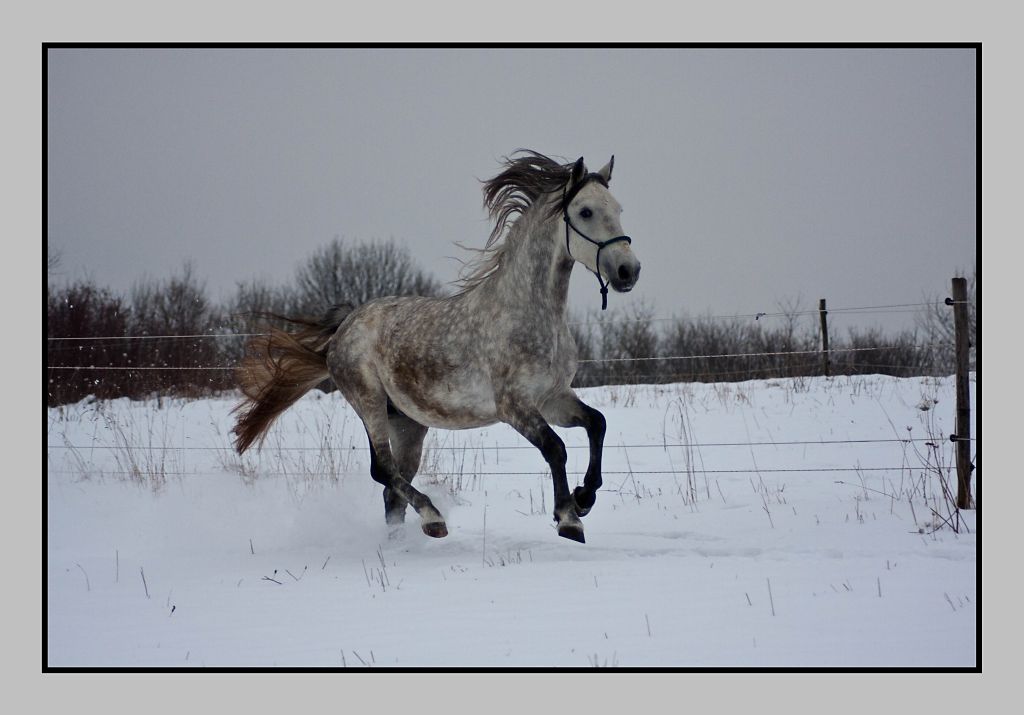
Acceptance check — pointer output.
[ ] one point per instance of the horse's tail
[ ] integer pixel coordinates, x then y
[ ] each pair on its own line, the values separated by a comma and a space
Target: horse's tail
278, 369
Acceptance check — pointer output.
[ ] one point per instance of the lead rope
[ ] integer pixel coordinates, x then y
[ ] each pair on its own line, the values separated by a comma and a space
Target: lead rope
599, 244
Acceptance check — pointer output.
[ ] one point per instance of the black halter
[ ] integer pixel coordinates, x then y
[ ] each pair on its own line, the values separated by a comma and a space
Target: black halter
566, 200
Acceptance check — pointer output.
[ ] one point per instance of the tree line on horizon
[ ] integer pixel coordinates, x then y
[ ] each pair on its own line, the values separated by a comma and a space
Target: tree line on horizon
108, 345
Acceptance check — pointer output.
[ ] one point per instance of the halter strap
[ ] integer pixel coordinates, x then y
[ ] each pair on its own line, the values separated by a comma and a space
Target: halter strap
566, 199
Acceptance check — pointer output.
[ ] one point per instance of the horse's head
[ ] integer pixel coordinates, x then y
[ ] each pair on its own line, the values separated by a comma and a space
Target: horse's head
593, 230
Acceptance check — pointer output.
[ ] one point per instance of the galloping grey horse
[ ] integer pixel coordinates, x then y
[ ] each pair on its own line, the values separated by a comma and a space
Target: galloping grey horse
498, 350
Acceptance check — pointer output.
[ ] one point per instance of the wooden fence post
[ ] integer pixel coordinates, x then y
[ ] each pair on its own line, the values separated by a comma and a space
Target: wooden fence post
962, 438
825, 364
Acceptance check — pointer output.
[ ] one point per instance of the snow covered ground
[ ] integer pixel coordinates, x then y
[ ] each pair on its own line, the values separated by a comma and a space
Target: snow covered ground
781, 523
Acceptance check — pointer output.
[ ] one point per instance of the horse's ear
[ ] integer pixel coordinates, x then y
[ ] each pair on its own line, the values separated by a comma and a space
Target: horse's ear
606, 171
579, 170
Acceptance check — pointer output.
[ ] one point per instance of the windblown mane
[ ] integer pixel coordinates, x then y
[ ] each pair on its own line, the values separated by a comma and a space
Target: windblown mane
507, 197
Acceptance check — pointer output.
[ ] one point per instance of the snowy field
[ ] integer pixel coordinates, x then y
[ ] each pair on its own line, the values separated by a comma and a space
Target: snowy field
782, 523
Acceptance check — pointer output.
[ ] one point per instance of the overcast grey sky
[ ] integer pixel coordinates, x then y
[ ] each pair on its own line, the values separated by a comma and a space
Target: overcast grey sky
750, 178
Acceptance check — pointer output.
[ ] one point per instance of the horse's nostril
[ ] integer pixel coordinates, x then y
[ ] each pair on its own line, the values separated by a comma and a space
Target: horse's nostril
625, 274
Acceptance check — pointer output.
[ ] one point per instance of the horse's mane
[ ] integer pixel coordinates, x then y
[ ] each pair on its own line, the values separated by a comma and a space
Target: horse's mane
525, 179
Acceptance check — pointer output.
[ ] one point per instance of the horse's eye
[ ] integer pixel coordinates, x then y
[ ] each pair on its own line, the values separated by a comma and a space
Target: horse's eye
586, 213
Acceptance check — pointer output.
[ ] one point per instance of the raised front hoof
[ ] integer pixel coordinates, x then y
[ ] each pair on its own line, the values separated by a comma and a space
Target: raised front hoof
583, 501
572, 531
435, 529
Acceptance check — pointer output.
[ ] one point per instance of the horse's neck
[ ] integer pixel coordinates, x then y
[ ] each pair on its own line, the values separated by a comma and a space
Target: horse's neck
535, 278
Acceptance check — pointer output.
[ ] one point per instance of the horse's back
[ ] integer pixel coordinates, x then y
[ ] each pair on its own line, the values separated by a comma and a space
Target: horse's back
420, 352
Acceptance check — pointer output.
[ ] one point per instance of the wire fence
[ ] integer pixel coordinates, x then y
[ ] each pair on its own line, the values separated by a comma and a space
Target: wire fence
533, 473
629, 351
581, 362
862, 310
518, 447
613, 351
149, 460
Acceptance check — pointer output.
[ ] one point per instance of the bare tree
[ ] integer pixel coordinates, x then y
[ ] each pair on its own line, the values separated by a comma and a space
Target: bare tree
177, 306
354, 274
175, 314
248, 310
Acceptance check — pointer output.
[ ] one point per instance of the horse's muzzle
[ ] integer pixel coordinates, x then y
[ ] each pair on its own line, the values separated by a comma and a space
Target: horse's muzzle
625, 276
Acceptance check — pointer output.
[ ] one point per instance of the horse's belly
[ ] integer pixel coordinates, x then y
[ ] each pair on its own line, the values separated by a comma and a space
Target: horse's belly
446, 404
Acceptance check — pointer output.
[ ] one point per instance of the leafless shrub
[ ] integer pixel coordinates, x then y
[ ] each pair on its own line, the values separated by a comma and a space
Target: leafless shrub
871, 352
734, 349
83, 310
935, 325
133, 347
623, 341
177, 315
354, 274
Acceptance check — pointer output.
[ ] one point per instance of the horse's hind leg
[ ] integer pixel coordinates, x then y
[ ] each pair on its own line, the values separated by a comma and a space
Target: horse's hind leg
384, 470
406, 437
370, 402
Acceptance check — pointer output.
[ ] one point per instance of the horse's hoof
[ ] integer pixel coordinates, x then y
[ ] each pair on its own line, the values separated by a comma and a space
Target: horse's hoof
435, 529
583, 504
572, 531
569, 525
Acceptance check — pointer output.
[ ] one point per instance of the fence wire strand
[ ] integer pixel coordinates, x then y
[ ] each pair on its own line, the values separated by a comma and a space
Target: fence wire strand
587, 361
534, 473
869, 309
501, 447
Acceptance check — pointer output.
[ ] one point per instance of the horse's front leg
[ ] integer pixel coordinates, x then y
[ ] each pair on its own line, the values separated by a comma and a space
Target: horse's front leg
567, 410
532, 425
